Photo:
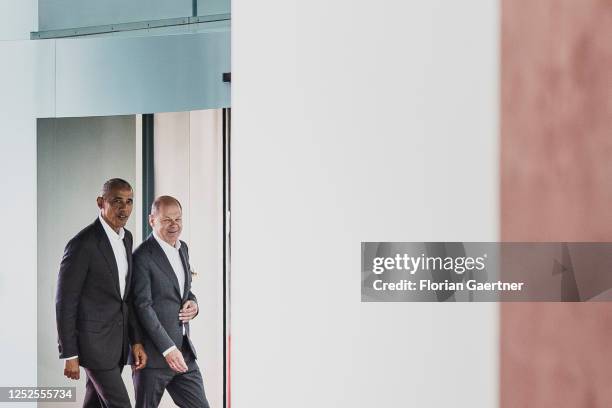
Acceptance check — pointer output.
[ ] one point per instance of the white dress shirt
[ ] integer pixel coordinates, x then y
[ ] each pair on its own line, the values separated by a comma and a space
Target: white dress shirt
174, 257
116, 241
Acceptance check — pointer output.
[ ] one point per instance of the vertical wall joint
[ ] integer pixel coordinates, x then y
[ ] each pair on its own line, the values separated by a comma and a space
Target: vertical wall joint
148, 171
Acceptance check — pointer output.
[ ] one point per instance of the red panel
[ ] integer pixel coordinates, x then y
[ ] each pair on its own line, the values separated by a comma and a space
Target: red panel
556, 185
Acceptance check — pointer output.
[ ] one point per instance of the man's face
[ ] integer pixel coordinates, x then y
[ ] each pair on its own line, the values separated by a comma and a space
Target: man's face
167, 222
116, 207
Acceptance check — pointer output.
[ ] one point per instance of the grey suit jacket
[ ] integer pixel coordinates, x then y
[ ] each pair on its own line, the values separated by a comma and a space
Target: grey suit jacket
157, 300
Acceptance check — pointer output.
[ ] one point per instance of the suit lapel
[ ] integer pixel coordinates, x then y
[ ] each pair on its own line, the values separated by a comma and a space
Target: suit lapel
107, 252
187, 273
160, 258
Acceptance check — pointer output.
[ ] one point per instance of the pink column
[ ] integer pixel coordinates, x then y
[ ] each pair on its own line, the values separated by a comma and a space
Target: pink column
556, 185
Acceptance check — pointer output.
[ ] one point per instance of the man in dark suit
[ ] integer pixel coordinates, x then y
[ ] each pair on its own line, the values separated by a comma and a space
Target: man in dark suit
95, 325
165, 305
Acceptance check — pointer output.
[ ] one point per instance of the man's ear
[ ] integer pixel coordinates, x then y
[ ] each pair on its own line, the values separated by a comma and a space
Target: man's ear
100, 202
151, 220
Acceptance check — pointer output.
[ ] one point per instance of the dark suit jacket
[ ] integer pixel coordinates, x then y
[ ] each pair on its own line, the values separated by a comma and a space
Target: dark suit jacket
93, 321
157, 300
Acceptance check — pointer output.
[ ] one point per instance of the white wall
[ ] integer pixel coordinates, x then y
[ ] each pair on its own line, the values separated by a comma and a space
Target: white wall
359, 121
352, 121
188, 160
18, 242
17, 19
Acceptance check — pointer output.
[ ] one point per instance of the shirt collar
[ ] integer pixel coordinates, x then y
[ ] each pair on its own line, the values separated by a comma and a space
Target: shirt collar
166, 245
109, 231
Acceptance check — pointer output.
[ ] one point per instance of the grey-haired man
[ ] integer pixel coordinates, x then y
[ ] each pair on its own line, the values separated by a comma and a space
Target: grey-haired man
165, 305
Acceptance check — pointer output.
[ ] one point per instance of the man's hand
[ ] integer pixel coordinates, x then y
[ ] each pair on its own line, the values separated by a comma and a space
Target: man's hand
188, 312
71, 369
176, 362
140, 357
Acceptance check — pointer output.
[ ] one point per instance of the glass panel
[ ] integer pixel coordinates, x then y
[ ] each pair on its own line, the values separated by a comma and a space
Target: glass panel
208, 7
149, 74
62, 14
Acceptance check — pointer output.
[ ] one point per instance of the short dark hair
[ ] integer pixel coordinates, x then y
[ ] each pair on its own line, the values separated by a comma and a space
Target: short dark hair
114, 184
164, 200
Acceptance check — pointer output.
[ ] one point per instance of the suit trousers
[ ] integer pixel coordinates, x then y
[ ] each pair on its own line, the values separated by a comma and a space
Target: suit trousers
186, 389
105, 389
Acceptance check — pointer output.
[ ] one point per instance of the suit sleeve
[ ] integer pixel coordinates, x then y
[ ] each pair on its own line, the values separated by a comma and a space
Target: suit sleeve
190, 295
72, 275
134, 327
143, 302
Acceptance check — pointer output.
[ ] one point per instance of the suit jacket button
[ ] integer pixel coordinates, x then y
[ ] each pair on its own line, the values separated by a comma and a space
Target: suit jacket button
119, 323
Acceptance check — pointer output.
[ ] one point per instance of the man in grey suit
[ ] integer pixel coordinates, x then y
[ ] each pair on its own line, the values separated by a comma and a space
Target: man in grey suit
165, 304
